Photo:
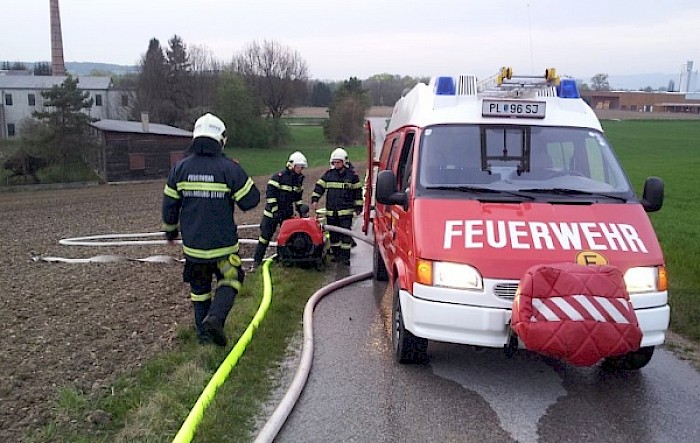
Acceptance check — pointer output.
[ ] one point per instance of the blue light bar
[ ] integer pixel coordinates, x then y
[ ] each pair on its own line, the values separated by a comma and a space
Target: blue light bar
567, 88
445, 86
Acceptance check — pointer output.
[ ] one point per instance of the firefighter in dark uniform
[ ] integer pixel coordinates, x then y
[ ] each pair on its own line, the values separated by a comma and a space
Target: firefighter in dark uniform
282, 196
199, 199
343, 199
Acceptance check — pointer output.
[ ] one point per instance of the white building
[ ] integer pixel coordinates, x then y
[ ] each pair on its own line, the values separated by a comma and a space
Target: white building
20, 95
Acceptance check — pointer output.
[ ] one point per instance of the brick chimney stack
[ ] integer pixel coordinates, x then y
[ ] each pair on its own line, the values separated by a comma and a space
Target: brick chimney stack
57, 65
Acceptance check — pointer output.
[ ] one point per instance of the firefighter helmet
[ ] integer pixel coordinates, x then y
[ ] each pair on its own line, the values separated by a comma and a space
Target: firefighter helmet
210, 126
339, 154
297, 158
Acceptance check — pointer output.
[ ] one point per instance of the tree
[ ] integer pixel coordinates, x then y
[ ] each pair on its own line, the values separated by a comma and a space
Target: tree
178, 74
321, 94
14, 66
152, 85
387, 89
347, 113
205, 70
237, 107
68, 135
275, 73
599, 82
42, 68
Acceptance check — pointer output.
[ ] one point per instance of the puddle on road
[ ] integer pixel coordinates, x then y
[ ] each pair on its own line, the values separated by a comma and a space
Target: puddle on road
519, 390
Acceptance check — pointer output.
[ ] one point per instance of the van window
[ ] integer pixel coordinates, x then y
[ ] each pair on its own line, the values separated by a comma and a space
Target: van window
403, 173
519, 157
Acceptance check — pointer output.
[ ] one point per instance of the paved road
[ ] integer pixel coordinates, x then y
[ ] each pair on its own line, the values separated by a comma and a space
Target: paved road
356, 393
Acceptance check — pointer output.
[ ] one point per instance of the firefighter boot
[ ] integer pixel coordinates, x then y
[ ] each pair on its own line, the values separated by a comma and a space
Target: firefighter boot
259, 254
344, 257
220, 307
201, 309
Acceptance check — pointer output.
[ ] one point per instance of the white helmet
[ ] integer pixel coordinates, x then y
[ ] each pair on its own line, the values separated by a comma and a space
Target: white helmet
210, 126
339, 154
297, 158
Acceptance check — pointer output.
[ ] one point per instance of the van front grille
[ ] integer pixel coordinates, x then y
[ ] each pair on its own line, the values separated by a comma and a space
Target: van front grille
505, 290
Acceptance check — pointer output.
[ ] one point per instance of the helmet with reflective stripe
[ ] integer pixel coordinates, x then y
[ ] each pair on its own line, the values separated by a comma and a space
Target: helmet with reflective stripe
210, 126
339, 154
297, 159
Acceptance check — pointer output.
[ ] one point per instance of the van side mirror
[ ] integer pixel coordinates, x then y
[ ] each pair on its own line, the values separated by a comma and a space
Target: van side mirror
387, 193
653, 196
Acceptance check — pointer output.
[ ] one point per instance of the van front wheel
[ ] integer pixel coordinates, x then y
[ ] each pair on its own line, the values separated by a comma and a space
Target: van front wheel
631, 361
378, 267
407, 347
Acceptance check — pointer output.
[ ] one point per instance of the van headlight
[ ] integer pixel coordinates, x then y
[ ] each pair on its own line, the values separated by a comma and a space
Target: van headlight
449, 275
646, 279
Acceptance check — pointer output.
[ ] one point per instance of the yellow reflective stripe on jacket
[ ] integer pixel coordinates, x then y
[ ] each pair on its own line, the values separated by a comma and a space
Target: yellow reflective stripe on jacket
208, 254
170, 192
287, 188
244, 190
167, 227
200, 297
341, 185
273, 183
202, 186
359, 202
340, 212
271, 200
321, 182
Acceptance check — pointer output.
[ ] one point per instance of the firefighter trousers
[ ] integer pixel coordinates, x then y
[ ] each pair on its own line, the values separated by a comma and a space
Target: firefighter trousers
340, 243
229, 279
268, 226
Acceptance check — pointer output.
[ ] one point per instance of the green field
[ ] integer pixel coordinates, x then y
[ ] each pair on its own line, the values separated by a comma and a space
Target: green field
307, 139
669, 150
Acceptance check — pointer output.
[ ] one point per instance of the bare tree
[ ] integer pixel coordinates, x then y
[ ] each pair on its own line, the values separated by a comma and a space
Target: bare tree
599, 82
277, 75
205, 73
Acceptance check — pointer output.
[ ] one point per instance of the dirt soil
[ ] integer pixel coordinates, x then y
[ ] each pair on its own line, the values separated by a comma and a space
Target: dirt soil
83, 325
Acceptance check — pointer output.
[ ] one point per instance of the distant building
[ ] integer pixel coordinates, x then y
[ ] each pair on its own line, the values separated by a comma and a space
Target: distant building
138, 150
20, 95
637, 101
688, 78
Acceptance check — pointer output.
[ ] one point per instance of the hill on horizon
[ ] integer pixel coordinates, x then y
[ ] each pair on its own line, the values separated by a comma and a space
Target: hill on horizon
633, 82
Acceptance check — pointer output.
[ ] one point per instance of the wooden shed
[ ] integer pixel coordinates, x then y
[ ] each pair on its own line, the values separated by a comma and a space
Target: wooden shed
138, 150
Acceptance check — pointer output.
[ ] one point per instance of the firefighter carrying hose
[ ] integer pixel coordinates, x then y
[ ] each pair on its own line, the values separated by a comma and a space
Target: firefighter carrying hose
199, 199
282, 197
343, 199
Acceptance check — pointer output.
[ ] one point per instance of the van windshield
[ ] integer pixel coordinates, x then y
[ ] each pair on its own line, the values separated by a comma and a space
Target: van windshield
521, 158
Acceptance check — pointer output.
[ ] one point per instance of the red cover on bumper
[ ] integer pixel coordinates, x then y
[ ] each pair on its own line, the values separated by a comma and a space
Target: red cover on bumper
575, 313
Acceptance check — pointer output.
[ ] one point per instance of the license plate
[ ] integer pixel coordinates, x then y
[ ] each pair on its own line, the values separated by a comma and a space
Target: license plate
513, 108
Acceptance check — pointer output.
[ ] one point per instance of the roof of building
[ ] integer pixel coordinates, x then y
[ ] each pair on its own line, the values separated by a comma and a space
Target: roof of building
47, 82
137, 128
684, 104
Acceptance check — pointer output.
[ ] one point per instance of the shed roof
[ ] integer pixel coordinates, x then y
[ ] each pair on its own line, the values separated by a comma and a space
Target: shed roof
47, 82
137, 128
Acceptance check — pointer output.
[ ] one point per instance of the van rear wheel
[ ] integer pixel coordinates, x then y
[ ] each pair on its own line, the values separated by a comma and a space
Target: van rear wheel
631, 361
407, 347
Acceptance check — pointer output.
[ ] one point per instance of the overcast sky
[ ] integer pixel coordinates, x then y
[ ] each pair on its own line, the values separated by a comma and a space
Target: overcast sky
360, 38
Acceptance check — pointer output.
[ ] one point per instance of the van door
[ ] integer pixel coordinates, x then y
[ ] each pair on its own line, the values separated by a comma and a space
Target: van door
398, 242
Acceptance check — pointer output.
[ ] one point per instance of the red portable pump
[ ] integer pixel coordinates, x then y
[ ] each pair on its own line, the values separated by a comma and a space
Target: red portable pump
301, 241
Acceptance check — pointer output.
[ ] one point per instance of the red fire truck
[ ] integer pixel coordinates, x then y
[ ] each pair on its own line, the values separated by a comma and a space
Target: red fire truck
480, 193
